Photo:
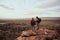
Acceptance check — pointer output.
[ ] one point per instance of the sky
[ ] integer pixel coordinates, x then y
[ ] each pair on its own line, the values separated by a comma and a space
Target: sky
13, 9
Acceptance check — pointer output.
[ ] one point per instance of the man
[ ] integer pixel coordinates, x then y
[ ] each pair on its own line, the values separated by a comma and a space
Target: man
38, 20
32, 23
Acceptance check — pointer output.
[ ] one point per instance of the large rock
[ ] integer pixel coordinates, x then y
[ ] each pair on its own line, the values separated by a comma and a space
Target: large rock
31, 38
28, 33
41, 34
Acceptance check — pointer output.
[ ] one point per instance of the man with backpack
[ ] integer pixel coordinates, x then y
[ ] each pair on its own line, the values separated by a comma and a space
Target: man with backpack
38, 20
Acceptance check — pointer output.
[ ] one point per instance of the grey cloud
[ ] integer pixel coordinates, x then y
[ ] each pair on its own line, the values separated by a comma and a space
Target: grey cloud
48, 4
49, 11
54, 9
38, 13
6, 7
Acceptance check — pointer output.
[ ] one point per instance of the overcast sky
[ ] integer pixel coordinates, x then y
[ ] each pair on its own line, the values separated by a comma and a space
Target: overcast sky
29, 8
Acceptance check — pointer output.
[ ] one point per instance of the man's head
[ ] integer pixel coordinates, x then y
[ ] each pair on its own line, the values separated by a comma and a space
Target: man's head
36, 16
32, 18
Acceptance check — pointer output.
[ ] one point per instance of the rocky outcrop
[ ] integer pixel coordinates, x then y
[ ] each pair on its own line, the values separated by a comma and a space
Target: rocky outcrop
41, 34
28, 33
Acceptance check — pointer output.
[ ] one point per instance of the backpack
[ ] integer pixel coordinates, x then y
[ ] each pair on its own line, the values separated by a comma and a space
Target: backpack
39, 20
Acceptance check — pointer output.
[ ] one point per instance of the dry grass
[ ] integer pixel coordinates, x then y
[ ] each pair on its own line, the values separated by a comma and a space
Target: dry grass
13, 29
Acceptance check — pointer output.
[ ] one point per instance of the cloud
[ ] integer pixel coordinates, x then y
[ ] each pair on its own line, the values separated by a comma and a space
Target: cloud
46, 12
7, 4
53, 9
29, 8
46, 8
49, 3
10, 8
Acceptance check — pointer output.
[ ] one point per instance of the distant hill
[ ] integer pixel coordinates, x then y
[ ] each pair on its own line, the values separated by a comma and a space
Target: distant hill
50, 18
43, 18
46, 18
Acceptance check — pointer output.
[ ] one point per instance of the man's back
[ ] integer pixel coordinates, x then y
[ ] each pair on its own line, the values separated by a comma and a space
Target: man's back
32, 22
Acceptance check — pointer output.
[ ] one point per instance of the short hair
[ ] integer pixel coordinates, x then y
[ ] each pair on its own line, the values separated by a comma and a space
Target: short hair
36, 16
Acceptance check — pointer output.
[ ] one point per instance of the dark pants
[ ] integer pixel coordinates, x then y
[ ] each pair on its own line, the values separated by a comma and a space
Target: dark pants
33, 27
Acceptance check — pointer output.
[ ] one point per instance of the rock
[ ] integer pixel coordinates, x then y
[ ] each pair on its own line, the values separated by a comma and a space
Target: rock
21, 38
41, 34
29, 38
28, 33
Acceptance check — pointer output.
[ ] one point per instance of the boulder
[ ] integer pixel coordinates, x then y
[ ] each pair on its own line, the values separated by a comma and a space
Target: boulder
41, 34
28, 33
29, 38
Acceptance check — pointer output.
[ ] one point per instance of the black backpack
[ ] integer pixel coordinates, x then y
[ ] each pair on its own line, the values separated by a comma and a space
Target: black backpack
39, 20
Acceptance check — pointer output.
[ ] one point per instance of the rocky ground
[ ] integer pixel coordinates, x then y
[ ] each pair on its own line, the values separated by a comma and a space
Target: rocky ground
41, 34
21, 30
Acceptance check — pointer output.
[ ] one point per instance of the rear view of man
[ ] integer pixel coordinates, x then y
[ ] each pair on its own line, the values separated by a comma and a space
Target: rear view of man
38, 20
32, 23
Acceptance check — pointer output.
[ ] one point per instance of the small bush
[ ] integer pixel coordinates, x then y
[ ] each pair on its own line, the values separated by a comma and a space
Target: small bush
2, 37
